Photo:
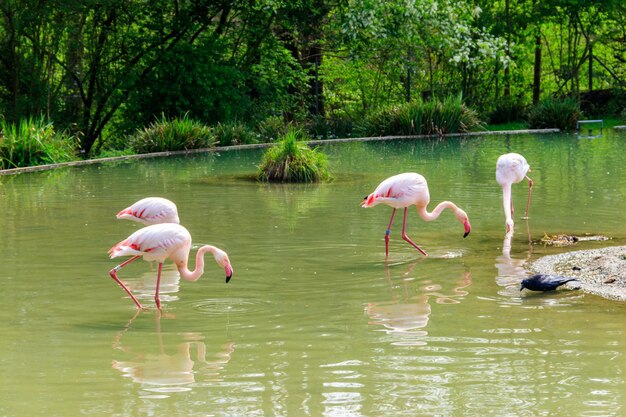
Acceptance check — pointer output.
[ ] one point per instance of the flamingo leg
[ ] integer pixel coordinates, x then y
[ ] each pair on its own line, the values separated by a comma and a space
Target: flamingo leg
530, 188
405, 237
388, 232
113, 273
157, 300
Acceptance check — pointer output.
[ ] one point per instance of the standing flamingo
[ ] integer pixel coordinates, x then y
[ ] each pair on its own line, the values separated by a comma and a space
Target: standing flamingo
159, 242
404, 190
151, 210
512, 168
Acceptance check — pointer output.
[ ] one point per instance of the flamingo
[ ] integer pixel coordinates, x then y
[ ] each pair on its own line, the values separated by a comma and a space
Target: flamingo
404, 190
159, 242
512, 168
151, 210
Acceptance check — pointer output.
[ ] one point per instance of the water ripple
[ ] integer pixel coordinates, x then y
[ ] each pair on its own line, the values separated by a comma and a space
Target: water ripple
220, 307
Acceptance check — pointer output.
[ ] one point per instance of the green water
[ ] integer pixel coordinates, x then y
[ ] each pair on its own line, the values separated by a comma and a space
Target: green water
314, 321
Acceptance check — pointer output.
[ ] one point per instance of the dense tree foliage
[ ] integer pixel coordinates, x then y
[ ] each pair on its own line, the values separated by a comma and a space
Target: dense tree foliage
103, 68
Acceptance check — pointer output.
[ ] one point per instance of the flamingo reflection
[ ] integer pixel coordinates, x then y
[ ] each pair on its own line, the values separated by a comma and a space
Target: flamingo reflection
144, 286
174, 365
407, 314
511, 270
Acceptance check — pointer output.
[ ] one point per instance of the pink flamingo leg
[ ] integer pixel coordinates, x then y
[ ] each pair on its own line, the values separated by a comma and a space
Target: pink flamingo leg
530, 188
405, 237
113, 273
388, 232
157, 300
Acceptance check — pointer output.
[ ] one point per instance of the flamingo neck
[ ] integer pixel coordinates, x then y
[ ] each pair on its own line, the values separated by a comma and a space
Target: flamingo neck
424, 214
506, 202
194, 275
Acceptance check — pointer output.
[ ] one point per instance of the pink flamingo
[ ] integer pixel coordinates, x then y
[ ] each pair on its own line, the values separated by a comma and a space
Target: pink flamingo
151, 210
404, 190
512, 168
159, 242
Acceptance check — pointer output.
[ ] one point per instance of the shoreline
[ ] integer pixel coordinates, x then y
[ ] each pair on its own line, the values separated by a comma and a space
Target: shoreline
316, 142
599, 271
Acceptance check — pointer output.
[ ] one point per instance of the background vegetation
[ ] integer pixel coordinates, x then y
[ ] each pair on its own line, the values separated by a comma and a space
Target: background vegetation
102, 70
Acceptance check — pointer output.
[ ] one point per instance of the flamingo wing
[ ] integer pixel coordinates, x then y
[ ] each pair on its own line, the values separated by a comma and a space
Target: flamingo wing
151, 210
400, 190
156, 242
511, 168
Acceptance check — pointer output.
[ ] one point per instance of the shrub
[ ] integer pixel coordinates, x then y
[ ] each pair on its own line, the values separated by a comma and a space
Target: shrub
172, 135
331, 127
561, 113
507, 110
421, 118
272, 127
233, 133
33, 142
291, 160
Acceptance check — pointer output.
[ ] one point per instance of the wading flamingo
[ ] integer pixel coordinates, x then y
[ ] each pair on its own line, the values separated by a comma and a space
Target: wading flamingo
404, 190
159, 242
151, 210
512, 168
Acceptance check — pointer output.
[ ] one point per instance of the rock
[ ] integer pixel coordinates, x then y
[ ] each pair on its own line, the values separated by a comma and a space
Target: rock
601, 267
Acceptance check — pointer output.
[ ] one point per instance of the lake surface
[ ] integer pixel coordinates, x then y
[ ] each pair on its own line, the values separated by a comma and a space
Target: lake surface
315, 321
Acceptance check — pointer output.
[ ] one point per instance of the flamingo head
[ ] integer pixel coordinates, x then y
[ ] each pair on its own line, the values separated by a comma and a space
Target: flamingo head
369, 201
222, 260
462, 218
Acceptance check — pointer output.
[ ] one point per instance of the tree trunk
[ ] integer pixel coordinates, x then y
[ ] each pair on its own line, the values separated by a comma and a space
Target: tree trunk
507, 75
590, 66
537, 70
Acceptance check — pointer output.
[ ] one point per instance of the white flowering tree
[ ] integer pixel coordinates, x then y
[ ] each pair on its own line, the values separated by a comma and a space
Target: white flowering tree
398, 49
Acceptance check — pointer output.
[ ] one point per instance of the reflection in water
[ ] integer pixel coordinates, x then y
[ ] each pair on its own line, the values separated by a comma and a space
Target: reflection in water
406, 316
510, 270
171, 367
144, 286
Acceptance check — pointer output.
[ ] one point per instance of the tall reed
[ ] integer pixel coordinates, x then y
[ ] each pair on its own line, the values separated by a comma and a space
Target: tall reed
33, 141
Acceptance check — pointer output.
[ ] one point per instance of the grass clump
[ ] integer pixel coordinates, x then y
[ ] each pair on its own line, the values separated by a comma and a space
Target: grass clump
177, 134
291, 160
33, 142
561, 113
272, 128
233, 133
433, 117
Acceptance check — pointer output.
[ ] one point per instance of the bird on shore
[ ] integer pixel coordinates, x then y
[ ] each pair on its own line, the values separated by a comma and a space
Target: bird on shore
542, 282
408, 189
512, 168
159, 242
151, 210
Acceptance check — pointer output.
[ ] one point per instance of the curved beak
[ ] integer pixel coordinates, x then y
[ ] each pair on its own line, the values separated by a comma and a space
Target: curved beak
229, 272
468, 227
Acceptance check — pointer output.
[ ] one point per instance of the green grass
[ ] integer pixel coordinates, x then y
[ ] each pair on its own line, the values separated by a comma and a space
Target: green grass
33, 142
233, 133
507, 126
177, 134
561, 113
291, 160
433, 117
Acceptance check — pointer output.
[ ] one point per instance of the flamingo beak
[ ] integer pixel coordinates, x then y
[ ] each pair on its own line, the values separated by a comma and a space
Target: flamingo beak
468, 228
229, 272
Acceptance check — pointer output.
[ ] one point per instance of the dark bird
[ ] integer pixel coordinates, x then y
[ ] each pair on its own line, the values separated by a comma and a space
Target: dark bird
541, 282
